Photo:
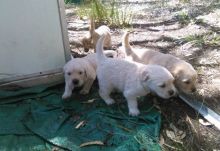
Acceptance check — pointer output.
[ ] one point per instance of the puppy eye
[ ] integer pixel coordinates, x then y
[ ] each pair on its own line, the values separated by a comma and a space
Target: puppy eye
80, 72
186, 82
163, 85
68, 73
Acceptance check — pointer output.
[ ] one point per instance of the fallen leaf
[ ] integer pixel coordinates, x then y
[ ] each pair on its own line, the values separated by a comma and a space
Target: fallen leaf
162, 141
182, 136
173, 127
205, 123
170, 134
82, 123
89, 101
124, 128
157, 107
179, 135
92, 143
55, 149
173, 137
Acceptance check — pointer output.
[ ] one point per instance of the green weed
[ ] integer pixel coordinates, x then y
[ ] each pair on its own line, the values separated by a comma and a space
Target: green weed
108, 13
208, 39
71, 1
183, 18
197, 40
184, 1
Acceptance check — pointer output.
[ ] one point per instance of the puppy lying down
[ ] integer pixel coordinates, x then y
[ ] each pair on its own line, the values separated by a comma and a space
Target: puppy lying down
131, 78
184, 74
90, 40
81, 72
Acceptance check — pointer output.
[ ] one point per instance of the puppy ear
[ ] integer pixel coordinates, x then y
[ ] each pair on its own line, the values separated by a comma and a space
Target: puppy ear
64, 68
177, 73
89, 71
86, 75
145, 75
71, 57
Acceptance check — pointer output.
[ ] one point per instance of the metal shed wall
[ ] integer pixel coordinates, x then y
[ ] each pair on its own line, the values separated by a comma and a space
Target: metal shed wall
32, 39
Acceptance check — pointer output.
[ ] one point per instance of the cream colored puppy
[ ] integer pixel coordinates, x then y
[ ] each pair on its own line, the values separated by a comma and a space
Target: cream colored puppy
81, 72
183, 72
131, 78
90, 40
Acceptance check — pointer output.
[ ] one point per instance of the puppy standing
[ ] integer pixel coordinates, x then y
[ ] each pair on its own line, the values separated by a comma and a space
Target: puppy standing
94, 34
81, 72
131, 78
184, 74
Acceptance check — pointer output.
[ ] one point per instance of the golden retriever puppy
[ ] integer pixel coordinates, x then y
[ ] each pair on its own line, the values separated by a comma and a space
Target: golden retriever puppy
81, 72
86, 42
90, 40
132, 78
183, 72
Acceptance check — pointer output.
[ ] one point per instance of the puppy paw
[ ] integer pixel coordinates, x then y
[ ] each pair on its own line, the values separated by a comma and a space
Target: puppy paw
84, 92
109, 101
134, 112
66, 96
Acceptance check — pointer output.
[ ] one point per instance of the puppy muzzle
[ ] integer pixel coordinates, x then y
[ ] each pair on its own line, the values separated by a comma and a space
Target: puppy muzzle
193, 90
75, 82
86, 49
171, 92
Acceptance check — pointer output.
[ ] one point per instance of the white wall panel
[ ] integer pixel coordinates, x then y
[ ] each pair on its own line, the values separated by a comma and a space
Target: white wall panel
31, 38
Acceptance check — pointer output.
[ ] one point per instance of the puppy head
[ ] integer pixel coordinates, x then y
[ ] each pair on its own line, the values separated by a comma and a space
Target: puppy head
87, 43
185, 78
159, 80
75, 72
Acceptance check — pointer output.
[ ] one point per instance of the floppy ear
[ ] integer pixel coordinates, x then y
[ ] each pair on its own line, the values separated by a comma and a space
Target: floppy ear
64, 68
177, 72
145, 75
71, 57
85, 73
90, 72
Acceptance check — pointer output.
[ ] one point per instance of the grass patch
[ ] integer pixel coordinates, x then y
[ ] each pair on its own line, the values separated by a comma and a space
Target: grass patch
109, 13
209, 39
75, 1
184, 1
183, 18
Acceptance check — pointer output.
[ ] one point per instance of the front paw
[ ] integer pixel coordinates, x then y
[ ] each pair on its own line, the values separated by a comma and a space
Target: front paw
66, 96
134, 112
109, 101
84, 92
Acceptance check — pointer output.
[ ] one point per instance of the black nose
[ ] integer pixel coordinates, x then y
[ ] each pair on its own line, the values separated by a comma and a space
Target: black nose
171, 92
193, 90
75, 81
86, 49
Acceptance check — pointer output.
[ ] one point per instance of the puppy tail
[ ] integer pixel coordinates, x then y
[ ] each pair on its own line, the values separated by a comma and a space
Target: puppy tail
92, 25
99, 49
125, 43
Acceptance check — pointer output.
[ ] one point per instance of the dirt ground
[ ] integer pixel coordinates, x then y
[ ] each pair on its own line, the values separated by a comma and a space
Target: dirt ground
194, 38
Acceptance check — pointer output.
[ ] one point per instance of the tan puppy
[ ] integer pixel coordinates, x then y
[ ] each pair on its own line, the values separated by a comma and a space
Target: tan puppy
91, 39
81, 72
132, 78
184, 74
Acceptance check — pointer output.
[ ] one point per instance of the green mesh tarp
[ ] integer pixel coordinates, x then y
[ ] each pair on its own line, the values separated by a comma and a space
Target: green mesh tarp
38, 119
